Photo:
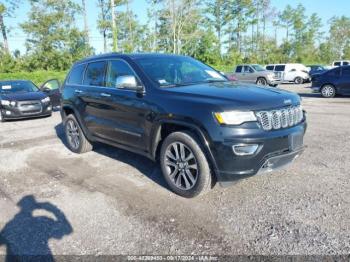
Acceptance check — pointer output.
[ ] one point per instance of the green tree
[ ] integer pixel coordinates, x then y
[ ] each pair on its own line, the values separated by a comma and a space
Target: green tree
53, 40
218, 16
339, 35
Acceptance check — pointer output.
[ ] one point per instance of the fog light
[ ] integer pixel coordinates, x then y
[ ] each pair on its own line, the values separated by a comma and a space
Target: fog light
245, 149
8, 113
49, 108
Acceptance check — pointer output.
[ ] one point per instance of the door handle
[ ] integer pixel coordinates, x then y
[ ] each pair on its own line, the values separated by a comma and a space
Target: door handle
78, 91
105, 95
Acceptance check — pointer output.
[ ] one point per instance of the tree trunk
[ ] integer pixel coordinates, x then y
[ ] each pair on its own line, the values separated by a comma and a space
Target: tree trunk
114, 28
4, 35
86, 26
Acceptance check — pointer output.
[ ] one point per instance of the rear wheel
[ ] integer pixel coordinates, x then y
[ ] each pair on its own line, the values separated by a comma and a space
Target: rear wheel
298, 80
76, 140
328, 91
184, 165
261, 81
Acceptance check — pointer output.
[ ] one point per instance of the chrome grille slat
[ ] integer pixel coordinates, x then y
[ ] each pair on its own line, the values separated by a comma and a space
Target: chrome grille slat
280, 118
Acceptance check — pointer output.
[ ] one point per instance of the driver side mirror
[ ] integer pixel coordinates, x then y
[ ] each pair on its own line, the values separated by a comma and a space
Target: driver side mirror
127, 82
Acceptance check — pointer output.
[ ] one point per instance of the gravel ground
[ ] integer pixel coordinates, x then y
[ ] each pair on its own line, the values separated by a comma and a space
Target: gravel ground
110, 201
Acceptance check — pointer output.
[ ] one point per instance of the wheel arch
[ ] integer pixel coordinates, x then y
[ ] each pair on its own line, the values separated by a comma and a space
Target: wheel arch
166, 127
67, 110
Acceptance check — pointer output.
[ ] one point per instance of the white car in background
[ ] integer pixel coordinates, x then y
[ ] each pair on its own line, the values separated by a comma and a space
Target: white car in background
296, 73
340, 63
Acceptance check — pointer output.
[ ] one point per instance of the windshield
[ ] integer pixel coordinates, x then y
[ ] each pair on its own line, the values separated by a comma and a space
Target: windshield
258, 68
17, 87
177, 71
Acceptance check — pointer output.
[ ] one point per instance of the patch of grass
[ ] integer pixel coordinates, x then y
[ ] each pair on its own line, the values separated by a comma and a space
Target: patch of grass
37, 77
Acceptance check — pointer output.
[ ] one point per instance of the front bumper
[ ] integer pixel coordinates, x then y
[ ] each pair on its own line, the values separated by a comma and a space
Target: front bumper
274, 82
274, 152
9, 113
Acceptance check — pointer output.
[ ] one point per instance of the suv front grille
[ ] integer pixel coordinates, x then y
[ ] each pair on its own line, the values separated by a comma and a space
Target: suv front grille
280, 118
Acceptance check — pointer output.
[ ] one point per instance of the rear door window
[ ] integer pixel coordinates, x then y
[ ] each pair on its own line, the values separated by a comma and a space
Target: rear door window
280, 68
238, 69
76, 75
337, 64
345, 63
270, 68
94, 75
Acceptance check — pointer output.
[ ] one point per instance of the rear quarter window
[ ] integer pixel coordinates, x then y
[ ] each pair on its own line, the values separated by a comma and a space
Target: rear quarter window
280, 68
238, 69
76, 75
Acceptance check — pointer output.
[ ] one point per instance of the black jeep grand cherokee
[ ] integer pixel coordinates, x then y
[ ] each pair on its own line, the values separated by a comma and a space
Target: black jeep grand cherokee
184, 114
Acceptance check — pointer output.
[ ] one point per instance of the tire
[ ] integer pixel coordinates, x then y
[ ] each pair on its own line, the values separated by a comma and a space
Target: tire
261, 81
274, 85
75, 138
1, 117
176, 170
328, 91
298, 81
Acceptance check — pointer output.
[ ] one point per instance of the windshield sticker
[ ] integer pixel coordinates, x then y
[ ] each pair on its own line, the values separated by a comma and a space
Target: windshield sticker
213, 74
6, 87
162, 81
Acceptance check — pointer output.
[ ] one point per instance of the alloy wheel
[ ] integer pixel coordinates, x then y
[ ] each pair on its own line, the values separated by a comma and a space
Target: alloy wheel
328, 91
73, 134
181, 166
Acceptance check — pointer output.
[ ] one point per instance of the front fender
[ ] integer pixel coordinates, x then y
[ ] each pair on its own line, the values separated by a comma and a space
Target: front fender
199, 131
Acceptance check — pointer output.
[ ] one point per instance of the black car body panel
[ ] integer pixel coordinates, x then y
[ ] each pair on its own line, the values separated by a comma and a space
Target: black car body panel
338, 77
134, 119
23, 104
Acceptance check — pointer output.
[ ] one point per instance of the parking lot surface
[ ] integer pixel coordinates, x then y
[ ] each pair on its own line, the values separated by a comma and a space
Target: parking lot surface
110, 201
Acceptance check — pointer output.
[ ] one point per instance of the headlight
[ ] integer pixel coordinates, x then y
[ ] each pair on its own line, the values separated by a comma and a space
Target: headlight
235, 117
45, 100
5, 102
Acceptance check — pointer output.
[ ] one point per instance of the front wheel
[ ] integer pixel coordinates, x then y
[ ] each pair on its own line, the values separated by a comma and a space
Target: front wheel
328, 91
76, 140
261, 81
184, 165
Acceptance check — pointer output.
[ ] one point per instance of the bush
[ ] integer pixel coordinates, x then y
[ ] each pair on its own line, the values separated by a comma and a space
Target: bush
37, 77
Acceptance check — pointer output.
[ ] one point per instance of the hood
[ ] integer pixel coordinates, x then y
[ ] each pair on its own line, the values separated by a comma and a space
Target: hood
23, 96
236, 95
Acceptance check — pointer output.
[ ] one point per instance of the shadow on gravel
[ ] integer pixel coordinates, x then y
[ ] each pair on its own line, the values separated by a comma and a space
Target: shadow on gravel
146, 166
27, 235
